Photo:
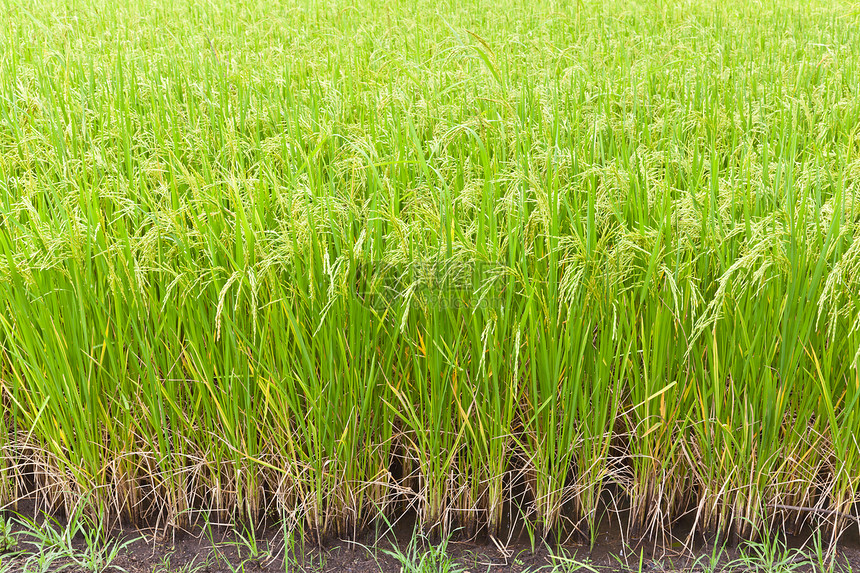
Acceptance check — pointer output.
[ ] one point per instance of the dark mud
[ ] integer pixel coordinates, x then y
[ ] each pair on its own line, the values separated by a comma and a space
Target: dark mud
219, 549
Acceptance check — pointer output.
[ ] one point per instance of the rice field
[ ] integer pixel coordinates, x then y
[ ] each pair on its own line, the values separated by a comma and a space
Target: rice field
544, 262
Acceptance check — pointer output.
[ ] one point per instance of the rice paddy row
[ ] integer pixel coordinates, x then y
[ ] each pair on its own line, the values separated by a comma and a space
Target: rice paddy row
330, 260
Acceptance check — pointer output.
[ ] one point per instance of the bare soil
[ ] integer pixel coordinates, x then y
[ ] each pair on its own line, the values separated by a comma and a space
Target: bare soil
222, 550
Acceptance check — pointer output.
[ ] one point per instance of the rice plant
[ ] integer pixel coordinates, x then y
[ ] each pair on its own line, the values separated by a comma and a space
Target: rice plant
343, 261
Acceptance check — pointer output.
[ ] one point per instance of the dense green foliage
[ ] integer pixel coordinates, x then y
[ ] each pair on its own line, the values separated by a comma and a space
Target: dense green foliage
333, 259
